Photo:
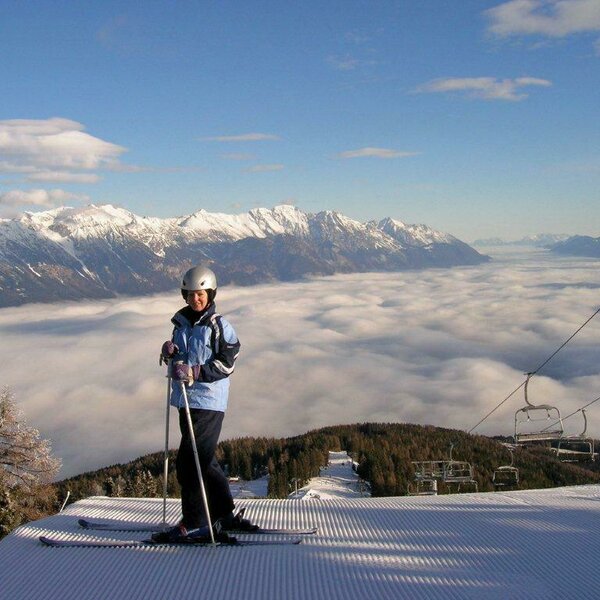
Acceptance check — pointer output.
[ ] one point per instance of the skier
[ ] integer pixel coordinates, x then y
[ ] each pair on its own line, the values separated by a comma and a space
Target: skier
202, 354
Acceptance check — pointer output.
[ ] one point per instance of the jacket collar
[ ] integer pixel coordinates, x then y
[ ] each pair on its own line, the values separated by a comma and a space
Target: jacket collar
187, 316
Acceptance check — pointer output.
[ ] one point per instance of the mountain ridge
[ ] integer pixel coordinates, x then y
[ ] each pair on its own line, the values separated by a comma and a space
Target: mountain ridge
99, 251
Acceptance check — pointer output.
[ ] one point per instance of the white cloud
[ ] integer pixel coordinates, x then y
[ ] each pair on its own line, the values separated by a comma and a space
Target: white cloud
486, 88
438, 346
375, 152
12, 201
244, 137
264, 168
63, 177
54, 150
553, 18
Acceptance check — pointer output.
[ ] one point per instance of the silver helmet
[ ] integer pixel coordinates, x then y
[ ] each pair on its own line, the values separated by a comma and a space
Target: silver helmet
199, 278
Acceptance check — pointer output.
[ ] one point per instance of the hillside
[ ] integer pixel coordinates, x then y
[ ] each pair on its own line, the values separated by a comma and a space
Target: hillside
383, 452
579, 245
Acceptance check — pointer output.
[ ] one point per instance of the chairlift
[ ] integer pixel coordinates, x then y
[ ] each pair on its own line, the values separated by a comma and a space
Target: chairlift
426, 470
529, 421
458, 472
427, 474
575, 448
506, 475
451, 472
423, 487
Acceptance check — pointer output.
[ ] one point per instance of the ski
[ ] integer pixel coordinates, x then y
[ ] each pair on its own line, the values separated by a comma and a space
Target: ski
102, 543
149, 528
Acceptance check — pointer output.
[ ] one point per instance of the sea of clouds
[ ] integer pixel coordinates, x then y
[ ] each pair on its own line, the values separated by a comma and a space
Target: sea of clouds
441, 347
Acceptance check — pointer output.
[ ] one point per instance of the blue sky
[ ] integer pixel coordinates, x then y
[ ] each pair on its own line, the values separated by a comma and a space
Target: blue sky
479, 118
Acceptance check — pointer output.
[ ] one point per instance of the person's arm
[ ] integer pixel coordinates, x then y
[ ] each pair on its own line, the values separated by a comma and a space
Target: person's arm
222, 363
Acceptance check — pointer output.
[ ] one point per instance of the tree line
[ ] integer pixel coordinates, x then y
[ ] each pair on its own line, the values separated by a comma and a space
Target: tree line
384, 454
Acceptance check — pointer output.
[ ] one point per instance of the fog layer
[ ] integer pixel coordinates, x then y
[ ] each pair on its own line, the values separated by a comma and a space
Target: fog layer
439, 347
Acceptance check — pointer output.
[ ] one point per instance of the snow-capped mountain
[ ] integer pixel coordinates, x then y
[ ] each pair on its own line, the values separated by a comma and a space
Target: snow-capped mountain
539, 240
100, 251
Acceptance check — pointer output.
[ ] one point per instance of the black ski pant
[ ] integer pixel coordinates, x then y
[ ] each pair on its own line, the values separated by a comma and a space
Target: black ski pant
207, 428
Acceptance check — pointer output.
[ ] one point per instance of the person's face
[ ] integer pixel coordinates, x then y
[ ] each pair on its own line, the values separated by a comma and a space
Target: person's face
197, 300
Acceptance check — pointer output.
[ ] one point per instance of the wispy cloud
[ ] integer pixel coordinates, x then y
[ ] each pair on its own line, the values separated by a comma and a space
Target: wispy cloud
238, 156
357, 37
485, 88
63, 177
347, 62
375, 153
441, 347
553, 18
359, 51
264, 168
343, 63
244, 137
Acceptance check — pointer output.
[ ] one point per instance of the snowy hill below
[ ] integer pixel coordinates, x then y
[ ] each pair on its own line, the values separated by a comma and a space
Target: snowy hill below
337, 480
533, 544
102, 251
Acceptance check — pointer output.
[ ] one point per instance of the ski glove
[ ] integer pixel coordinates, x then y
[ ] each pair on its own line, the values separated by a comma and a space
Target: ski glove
168, 350
185, 373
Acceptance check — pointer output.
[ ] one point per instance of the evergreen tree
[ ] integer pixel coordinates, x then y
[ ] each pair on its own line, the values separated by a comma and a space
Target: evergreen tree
26, 464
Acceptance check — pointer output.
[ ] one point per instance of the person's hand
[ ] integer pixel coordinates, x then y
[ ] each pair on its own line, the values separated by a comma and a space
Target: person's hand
168, 350
185, 373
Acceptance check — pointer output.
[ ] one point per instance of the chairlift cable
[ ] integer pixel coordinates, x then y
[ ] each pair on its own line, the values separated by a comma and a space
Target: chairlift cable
573, 413
532, 373
496, 408
564, 344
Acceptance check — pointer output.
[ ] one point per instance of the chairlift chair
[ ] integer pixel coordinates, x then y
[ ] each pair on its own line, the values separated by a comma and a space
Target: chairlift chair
428, 469
423, 487
575, 448
529, 419
506, 475
458, 472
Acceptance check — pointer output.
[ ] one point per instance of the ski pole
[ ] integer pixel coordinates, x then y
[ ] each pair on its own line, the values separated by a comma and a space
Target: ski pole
197, 460
166, 461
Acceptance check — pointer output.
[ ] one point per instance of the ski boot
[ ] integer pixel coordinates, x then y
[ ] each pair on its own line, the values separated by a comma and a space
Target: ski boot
236, 522
200, 535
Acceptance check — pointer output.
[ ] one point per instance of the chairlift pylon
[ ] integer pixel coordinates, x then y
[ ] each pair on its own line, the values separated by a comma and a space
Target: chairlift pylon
527, 421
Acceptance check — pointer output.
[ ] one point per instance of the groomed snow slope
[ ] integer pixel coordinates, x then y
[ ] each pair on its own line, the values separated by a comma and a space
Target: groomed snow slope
528, 544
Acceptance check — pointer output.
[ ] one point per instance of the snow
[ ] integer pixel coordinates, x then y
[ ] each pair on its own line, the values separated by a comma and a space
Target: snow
257, 488
534, 544
33, 270
420, 235
337, 480
96, 220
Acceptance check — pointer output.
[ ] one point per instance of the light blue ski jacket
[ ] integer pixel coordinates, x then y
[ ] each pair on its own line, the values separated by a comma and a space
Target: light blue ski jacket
211, 343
